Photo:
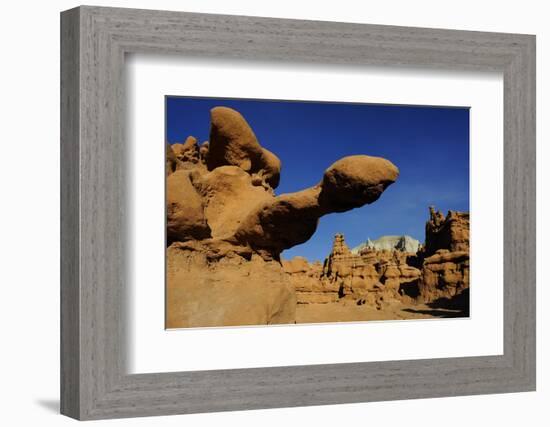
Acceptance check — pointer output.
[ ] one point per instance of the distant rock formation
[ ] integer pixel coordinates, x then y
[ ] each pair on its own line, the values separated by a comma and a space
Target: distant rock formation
401, 243
306, 281
446, 260
437, 274
451, 232
373, 277
226, 227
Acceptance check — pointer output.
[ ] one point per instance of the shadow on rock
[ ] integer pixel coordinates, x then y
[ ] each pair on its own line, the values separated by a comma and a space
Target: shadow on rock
457, 306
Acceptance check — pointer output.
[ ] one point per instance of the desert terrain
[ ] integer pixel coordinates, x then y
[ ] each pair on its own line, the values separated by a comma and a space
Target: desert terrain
227, 228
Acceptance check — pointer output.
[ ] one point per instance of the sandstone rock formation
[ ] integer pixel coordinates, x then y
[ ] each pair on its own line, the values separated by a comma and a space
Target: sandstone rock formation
436, 275
226, 227
451, 232
233, 143
290, 219
233, 290
306, 281
373, 277
446, 260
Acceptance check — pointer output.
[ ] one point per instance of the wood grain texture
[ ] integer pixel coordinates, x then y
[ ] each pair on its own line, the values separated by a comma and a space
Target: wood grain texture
94, 267
70, 291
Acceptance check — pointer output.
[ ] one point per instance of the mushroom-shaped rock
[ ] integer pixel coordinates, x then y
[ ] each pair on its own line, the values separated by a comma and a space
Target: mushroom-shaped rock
291, 219
354, 181
226, 228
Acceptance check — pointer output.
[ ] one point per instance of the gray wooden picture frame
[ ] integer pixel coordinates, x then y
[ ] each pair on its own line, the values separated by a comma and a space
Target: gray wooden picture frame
94, 382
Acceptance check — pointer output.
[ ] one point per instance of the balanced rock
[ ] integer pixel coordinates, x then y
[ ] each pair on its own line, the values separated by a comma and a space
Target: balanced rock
354, 181
291, 219
226, 228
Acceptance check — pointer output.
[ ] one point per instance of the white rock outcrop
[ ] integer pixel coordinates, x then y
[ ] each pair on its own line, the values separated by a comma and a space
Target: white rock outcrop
402, 243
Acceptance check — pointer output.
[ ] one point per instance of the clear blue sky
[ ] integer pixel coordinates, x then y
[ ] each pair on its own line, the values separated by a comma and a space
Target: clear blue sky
429, 145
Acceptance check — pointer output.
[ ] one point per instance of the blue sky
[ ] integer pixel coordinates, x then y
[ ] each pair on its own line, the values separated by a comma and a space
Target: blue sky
429, 145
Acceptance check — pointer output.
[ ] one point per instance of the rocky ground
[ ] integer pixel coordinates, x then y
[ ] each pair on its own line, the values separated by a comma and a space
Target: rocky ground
349, 312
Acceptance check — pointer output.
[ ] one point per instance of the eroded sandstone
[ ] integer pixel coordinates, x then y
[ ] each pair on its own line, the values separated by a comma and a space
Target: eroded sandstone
436, 275
226, 227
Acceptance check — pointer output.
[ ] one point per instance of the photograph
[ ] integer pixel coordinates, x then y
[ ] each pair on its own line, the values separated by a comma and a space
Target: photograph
292, 212
274, 215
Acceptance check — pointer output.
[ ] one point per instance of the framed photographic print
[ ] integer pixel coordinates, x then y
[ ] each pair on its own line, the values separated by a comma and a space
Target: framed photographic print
262, 213
228, 231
